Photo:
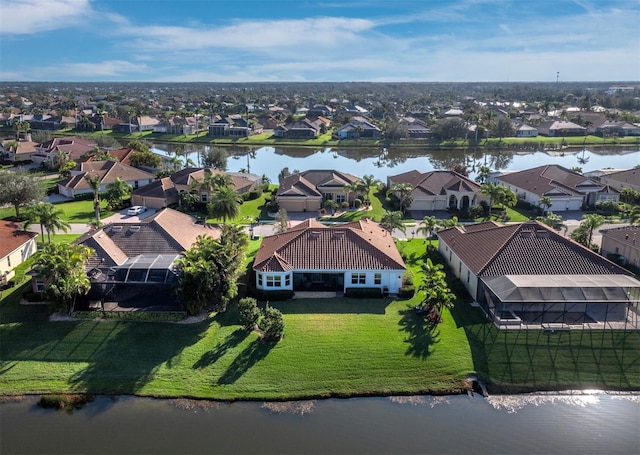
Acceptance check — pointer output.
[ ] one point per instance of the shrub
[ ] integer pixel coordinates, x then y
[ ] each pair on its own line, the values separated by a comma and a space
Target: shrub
357, 203
607, 207
476, 211
255, 194
272, 324
67, 402
344, 205
406, 292
407, 278
249, 313
363, 293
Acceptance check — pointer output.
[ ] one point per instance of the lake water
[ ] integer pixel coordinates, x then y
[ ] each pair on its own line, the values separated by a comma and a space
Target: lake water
382, 163
550, 424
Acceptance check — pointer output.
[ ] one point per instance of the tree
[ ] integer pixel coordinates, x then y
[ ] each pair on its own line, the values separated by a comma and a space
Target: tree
545, 201
428, 225
402, 192
249, 313
49, 217
504, 128
634, 215
435, 290
216, 158
506, 197
139, 145
19, 188
146, 159
552, 220
483, 174
391, 221
94, 182
282, 221
272, 324
450, 129
369, 182
591, 222
225, 203
117, 191
61, 268
330, 204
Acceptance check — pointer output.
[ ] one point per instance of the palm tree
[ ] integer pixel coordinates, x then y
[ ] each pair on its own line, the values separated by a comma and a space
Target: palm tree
354, 187
117, 191
634, 215
591, 222
483, 174
545, 201
493, 191
427, 225
94, 183
369, 182
225, 203
391, 221
402, 191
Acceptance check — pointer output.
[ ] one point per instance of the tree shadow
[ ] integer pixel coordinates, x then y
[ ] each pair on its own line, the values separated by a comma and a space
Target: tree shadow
210, 357
255, 352
421, 334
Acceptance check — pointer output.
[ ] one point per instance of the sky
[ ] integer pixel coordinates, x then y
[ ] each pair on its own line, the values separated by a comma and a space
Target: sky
319, 40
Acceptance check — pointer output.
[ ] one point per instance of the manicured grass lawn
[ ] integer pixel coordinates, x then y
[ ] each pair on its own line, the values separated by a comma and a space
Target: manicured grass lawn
331, 347
82, 211
250, 210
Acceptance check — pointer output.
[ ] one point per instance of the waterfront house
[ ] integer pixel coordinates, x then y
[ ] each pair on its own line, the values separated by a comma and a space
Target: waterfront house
439, 190
358, 128
527, 274
566, 189
306, 191
314, 257
561, 128
301, 129
16, 246
618, 178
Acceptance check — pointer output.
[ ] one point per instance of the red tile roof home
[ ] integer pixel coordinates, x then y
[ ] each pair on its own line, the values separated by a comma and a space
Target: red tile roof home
12, 237
108, 171
361, 245
73, 147
436, 182
531, 248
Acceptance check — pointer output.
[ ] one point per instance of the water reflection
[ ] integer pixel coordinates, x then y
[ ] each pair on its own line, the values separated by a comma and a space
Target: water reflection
381, 162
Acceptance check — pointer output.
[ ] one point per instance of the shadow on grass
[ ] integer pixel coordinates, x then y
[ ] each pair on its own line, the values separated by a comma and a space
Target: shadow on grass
421, 334
211, 357
254, 353
338, 305
524, 360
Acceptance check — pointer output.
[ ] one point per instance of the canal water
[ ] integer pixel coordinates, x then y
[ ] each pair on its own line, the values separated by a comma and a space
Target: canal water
382, 162
591, 423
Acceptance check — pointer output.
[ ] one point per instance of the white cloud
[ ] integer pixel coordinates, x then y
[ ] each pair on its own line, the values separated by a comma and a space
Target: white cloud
25, 17
95, 71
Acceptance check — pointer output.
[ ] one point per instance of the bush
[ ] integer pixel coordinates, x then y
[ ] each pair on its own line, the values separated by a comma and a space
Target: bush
476, 211
407, 278
607, 207
143, 316
272, 324
406, 292
249, 313
67, 402
357, 203
255, 194
344, 205
272, 296
363, 293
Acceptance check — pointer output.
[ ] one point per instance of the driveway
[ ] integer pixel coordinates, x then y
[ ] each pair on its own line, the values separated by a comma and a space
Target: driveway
122, 217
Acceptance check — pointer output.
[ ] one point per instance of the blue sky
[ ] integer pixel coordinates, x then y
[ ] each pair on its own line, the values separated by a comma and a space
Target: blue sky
319, 40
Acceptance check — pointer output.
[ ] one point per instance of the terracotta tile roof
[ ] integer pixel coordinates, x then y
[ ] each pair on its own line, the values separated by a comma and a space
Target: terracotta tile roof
108, 172
523, 249
436, 182
13, 237
629, 235
362, 245
544, 180
166, 232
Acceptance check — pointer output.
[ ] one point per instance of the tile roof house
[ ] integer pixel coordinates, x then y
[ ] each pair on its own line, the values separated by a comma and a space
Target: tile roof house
622, 244
130, 257
108, 171
439, 190
306, 191
560, 128
13, 150
234, 126
16, 246
620, 179
416, 128
315, 257
528, 274
300, 129
567, 190
164, 192
358, 127
72, 146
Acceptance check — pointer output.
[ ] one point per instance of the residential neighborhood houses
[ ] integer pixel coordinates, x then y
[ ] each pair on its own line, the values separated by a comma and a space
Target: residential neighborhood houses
313, 256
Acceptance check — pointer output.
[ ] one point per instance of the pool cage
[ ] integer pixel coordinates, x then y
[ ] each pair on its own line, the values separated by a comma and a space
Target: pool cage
561, 302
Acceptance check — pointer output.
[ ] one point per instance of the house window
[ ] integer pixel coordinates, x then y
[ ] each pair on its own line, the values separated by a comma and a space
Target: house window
259, 279
468, 275
358, 278
136, 185
274, 281
287, 280
340, 198
9, 261
377, 278
203, 197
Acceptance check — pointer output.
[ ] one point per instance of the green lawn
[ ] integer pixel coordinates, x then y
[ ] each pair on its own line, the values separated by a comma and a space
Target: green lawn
331, 347
81, 211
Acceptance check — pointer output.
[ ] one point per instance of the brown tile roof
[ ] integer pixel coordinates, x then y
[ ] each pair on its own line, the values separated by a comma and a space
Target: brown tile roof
108, 172
629, 176
362, 245
629, 235
73, 146
529, 248
307, 183
13, 237
436, 182
166, 232
542, 180
163, 188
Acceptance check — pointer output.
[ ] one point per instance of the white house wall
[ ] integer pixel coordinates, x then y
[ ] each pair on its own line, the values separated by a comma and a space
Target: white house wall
9, 262
390, 279
459, 269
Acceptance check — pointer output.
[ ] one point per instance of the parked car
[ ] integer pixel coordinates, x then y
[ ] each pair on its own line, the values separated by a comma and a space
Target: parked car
136, 210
